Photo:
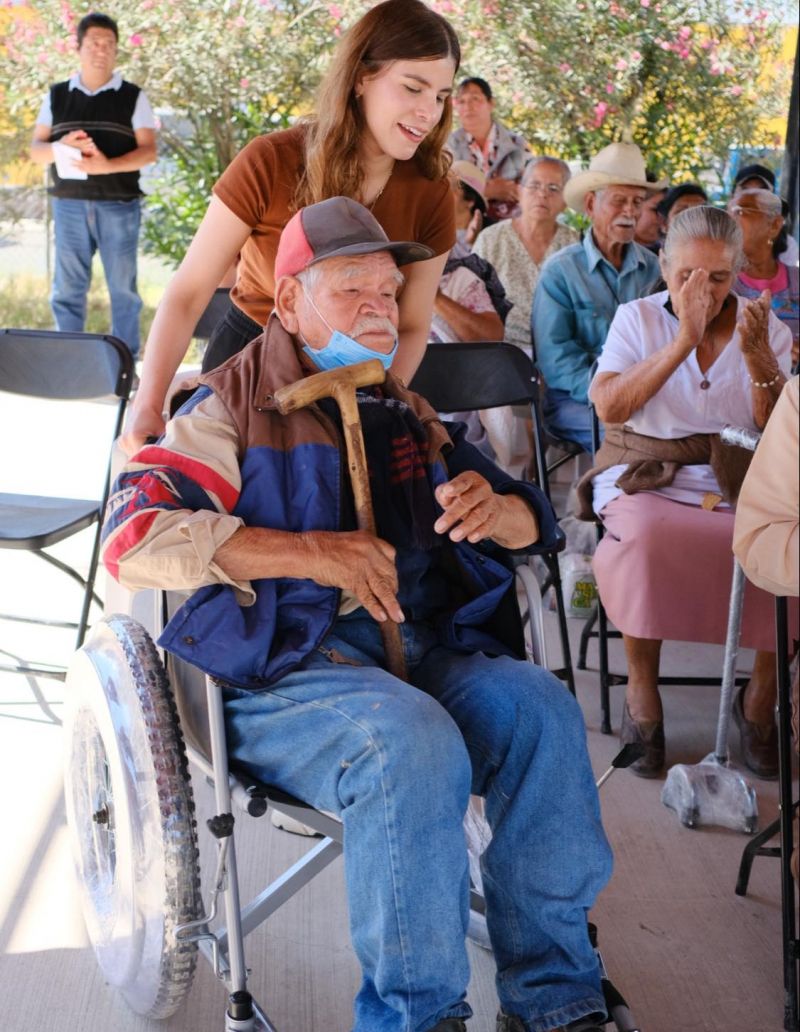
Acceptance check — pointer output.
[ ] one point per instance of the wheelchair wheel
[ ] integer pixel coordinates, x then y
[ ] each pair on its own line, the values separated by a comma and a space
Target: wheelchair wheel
130, 813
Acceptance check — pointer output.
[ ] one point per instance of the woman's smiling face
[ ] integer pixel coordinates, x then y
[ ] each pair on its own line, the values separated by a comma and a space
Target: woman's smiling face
402, 104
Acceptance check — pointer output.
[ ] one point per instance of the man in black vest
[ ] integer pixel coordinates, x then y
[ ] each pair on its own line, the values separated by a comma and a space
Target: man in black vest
96, 195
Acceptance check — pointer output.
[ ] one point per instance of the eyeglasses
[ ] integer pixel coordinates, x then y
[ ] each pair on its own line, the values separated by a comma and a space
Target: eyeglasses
737, 210
545, 188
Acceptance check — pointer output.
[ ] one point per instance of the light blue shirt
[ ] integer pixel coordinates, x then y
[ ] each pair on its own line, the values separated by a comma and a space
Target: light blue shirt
576, 297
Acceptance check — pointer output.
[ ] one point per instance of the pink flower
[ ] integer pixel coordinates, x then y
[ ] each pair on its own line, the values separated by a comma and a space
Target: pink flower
635, 56
609, 87
244, 83
706, 44
736, 91
240, 22
564, 68
664, 45
683, 53
644, 3
135, 40
685, 33
147, 4
621, 65
335, 11
600, 112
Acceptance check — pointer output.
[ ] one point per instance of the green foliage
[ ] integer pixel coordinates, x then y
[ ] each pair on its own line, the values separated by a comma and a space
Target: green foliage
24, 302
219, 72
573, 76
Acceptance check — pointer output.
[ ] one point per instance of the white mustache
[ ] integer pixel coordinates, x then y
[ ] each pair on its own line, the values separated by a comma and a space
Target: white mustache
373, 325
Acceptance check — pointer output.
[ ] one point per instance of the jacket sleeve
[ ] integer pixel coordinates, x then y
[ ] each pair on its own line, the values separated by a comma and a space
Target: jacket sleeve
766, 530
465, 456
170, 508
563, 360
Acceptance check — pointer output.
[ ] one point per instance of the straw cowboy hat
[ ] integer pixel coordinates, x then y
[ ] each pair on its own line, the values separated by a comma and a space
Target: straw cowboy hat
618, 164
471, 176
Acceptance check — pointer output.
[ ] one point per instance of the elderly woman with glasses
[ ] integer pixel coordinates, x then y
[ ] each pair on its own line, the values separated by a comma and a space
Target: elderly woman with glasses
517, 248
758, 214
676, 367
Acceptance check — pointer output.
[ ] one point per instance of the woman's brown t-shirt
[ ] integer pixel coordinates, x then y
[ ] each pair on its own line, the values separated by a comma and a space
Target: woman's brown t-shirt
259, 186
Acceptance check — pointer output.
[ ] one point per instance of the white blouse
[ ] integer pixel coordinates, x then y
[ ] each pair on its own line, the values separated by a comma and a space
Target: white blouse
501, 246
681, 407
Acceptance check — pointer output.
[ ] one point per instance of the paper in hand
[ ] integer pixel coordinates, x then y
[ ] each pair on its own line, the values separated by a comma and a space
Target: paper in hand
64, 157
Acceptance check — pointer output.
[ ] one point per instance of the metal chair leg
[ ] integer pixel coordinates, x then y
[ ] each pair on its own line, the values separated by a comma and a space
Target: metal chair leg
567, 673
602, 644
586, 633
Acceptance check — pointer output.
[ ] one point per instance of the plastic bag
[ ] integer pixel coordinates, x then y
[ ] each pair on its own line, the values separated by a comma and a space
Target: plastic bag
577, 583
575, 564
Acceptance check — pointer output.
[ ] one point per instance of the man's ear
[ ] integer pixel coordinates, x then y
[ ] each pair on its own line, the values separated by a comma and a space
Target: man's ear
288, 293
588, 203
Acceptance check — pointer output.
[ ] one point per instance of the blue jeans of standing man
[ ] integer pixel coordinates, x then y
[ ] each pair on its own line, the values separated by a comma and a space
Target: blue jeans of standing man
81, 229
397, 763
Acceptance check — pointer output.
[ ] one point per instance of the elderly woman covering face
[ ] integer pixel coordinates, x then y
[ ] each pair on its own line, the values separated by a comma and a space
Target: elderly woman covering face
676, 368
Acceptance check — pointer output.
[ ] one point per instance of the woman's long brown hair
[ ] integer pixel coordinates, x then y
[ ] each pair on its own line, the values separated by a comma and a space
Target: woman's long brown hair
396, 30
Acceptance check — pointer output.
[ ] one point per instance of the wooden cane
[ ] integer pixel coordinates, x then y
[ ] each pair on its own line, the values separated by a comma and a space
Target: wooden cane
341, 385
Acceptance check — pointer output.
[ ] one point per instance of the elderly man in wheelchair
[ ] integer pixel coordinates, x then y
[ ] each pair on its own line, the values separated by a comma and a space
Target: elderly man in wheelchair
300, 617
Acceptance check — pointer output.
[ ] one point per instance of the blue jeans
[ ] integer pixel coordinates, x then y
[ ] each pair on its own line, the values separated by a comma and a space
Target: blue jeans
568, 419
112, 228
397, 763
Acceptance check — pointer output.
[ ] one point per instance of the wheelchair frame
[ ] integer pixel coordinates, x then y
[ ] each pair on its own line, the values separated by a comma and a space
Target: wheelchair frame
223, 947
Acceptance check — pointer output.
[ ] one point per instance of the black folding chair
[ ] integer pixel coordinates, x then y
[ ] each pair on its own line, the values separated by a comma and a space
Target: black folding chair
53, 366
458, 377
604, 632
212, 313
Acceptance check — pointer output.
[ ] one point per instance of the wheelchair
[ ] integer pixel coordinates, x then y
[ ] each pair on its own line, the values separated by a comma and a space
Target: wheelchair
135, 719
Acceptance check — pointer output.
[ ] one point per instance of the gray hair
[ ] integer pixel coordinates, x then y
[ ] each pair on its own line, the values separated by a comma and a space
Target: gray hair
767, 201
704, 223
540, 159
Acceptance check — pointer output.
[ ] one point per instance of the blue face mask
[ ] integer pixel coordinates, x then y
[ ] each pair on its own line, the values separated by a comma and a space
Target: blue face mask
342, 350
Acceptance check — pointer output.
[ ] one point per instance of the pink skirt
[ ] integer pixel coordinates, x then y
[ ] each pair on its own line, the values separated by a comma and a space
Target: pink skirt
664, 571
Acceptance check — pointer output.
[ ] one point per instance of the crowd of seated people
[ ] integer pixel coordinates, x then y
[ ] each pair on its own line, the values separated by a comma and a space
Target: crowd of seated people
703, 336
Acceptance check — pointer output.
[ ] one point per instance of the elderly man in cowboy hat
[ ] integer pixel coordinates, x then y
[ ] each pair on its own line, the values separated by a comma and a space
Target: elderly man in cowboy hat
581, 287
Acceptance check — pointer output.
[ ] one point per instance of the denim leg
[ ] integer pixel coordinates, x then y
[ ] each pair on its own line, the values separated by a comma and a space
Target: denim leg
117, 229
568, 419
548, 857
391, 763
73, 263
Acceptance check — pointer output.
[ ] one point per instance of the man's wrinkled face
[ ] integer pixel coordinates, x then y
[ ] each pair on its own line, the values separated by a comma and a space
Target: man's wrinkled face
614, 212
357, 295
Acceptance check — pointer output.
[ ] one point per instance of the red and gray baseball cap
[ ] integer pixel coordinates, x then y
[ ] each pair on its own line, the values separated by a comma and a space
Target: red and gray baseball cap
336, 227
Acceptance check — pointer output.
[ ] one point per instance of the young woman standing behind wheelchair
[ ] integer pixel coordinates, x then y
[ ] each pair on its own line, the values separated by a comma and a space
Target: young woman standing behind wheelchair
383, 116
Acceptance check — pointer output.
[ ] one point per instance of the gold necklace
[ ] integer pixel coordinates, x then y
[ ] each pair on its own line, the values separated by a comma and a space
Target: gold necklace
378, 195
